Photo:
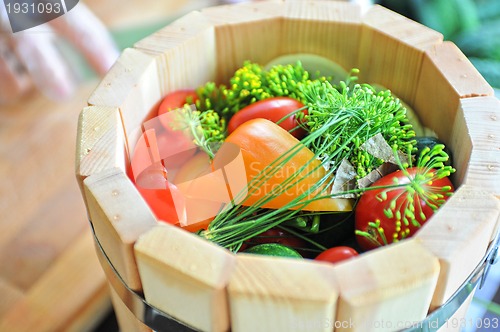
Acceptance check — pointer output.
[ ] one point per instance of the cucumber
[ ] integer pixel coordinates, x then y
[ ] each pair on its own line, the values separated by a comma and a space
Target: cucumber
273, 249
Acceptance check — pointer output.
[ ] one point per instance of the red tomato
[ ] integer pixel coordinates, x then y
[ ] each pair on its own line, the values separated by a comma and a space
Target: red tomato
381, 223
337, 254
176, 99
273, 109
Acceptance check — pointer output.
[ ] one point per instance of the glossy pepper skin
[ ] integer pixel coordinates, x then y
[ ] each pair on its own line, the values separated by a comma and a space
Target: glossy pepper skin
274, 109
261, 142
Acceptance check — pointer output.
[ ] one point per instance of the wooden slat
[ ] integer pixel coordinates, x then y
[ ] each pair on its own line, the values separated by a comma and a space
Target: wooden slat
328, 28
458, 234
460, 144
185, 276
176, 33
287, 27
445, 77
132, 85
482, 118
119, 216
392, 285
238, 37
282, 294
101, 142
127, 322
391, 51
482, 115
201, 46
185, 52
484, 170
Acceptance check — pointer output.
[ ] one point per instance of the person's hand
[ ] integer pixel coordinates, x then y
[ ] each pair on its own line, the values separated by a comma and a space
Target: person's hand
31, 59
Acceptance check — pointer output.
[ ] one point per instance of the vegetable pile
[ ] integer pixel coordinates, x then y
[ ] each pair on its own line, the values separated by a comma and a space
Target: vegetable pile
277, 162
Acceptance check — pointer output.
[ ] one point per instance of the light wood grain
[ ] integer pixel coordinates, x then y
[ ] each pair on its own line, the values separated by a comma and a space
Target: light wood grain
100, 142
185, 276
460, 145
119, 216
459, 236
328, 28
445, 77
482, 115
46, 306
286, 27
391, 51
176, 33
185, 52
392, 284
127, 321
482, 118
43, 219
125, 318
281, 294
238, 38
132, 85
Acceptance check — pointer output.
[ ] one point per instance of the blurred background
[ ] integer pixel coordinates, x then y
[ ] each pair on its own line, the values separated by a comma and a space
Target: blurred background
50, 279
474, 25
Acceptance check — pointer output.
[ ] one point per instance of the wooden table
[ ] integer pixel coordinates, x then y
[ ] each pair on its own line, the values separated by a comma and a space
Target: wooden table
50, 278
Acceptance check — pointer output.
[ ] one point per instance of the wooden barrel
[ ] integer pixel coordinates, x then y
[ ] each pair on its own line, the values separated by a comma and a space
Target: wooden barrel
205, 287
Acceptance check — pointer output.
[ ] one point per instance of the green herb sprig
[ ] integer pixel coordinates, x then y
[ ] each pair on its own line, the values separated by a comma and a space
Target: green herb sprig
206, 129
340, 119
252, 83
356, 106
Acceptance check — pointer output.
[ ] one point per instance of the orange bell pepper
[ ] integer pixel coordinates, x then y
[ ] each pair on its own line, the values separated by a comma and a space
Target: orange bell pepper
262, 142
200, 212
